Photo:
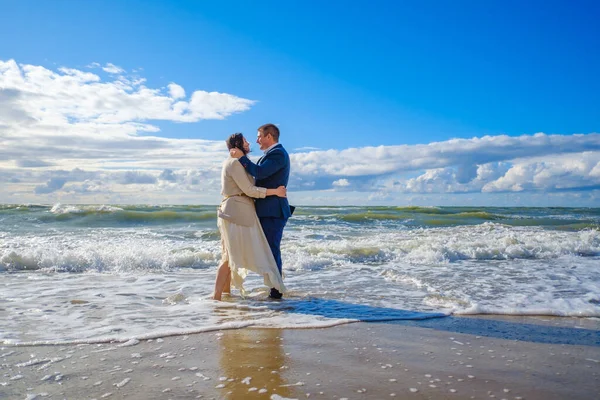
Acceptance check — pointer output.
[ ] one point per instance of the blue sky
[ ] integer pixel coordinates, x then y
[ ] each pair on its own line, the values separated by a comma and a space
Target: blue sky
379, 102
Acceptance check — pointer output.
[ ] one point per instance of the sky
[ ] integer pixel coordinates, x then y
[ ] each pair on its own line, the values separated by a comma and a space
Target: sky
396, 103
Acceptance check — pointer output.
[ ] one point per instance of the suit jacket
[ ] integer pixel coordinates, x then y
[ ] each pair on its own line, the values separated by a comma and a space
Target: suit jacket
271, 171
238, 188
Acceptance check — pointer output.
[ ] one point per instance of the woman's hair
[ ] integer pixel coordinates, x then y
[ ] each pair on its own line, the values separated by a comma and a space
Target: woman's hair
236, 140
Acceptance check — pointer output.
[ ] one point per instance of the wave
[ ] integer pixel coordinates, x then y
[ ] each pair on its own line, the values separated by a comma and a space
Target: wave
409, 217
587, 311
360, 217
60, 209
108, 258
442, 217
578, 307
22, 207
133, 249
312, 313
485, 242
354, 254
129, 214
449, 211
476, 214
166, 215
131, 340
579, 226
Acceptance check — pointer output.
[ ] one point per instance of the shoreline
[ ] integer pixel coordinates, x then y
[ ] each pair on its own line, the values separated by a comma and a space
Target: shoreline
456, 357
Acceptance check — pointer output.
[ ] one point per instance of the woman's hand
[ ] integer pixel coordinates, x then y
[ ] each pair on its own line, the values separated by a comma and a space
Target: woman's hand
236, 153
281, 191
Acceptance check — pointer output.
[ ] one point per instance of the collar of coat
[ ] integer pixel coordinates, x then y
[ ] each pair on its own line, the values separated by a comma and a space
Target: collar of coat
273, 146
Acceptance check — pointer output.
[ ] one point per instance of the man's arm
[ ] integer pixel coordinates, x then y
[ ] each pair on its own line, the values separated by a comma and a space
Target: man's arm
272, 163
238, 174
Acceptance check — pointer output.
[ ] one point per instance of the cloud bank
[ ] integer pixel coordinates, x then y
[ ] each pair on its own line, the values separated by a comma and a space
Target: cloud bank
501, 163
73, 136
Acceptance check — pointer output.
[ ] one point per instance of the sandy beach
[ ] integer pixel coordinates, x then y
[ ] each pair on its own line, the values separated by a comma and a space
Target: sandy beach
462, 358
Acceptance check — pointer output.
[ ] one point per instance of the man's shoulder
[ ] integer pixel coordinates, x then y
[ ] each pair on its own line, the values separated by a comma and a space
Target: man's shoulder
277, 150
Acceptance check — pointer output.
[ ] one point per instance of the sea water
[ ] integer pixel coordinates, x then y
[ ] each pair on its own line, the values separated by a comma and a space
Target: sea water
85, 274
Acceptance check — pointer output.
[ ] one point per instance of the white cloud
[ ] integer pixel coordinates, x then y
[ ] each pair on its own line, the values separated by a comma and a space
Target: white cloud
341, 183
69, 135
72, 97
59, 118
113, 69
553, 173
529, 163
176, 91
53, 124
307, 148
86, 187
464, 152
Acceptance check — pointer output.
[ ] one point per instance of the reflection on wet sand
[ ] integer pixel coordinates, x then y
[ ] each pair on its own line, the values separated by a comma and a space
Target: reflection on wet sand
254, 363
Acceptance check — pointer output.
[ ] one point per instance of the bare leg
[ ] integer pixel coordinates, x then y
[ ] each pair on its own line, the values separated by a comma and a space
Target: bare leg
227, 285
222, 276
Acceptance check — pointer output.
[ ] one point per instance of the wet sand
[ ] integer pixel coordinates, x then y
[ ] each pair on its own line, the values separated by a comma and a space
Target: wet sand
446, 358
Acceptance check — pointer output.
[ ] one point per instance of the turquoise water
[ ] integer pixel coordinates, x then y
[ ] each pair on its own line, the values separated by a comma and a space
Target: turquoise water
86, 272
62, 217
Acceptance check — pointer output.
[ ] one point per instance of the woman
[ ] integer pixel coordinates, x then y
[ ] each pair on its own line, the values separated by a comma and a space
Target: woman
244, 244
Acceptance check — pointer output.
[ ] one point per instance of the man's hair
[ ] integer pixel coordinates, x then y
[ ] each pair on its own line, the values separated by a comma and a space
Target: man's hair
236, 140
270, 129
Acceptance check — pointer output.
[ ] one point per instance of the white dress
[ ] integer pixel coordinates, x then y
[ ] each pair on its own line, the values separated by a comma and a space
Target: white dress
245, 247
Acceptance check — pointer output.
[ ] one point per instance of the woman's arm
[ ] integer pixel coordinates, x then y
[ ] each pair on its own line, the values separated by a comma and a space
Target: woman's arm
281, 191
238, 173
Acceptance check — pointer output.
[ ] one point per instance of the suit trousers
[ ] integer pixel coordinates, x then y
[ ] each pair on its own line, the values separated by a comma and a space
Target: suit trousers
273, 229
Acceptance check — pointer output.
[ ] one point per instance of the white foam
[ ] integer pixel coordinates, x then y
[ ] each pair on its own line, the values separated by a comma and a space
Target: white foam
557, 308
105, 250
58, 208
116, 339
122, 383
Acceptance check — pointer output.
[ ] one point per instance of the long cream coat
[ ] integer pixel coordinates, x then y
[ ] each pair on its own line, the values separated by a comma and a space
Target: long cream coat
244, 243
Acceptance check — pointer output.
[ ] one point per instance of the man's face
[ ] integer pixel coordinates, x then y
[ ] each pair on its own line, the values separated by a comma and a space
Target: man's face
263, 141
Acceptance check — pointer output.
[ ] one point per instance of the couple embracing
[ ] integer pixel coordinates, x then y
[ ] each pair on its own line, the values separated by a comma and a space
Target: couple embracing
253, 212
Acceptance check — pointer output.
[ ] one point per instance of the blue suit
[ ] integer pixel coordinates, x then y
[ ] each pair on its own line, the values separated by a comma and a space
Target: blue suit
271, 171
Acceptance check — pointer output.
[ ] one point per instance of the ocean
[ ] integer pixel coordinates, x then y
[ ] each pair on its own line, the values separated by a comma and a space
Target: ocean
92, 274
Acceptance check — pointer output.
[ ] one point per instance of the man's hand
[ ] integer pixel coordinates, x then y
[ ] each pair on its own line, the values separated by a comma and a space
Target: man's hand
236, 153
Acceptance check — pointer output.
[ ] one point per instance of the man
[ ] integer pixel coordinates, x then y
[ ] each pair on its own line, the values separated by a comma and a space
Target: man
271, 171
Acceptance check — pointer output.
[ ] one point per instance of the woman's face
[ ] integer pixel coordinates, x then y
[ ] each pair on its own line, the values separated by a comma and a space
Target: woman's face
246, 146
